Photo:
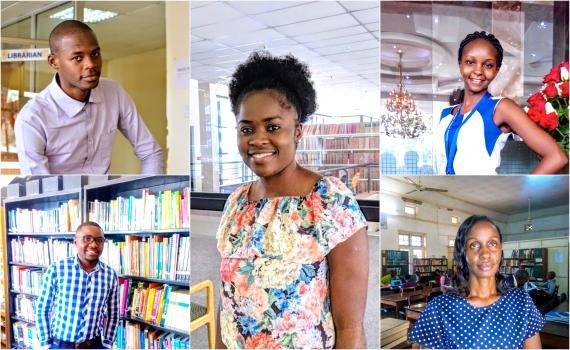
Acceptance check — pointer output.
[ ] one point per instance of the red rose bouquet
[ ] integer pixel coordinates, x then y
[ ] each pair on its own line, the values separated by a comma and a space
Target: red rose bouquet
549, 107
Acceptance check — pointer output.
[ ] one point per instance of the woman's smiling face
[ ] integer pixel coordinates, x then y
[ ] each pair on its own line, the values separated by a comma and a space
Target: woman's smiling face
268, 132
478, 65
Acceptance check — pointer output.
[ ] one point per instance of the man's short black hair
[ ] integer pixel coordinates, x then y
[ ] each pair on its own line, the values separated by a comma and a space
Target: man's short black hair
286, 75
65, 28
89, 223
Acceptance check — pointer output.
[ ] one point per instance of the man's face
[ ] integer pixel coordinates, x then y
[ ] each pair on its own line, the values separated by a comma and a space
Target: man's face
88, 250
78, 63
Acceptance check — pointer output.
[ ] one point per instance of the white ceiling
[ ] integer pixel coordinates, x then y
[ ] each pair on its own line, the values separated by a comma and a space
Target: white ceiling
337, 39
430, 33
504, 194
139, 27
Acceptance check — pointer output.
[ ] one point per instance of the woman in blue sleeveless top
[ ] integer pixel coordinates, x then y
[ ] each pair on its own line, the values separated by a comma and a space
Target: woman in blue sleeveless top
471, 135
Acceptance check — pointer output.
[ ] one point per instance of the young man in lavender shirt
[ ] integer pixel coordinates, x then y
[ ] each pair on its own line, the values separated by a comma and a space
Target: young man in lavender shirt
70, 126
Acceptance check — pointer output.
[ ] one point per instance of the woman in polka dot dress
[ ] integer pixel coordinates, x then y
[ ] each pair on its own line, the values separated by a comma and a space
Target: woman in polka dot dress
481, 311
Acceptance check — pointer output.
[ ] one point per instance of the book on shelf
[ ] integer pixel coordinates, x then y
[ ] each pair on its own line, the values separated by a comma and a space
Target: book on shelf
24, 307
24, 335
153, 257
26, 279
35, 251
65, 218
527, 253
164, 210
132, 335
157, 303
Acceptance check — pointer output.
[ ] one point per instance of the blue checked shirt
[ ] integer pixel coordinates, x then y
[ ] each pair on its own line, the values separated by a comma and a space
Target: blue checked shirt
73, 303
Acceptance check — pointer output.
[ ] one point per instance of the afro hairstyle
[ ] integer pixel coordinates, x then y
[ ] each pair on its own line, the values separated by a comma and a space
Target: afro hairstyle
286, 75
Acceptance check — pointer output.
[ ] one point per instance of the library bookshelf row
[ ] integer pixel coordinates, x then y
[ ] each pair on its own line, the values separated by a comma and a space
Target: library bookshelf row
395, 260
427, 266
533, 260
146, 225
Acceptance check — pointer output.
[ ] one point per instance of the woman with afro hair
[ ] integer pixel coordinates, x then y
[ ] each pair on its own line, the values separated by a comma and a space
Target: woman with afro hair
482, 310
293, 243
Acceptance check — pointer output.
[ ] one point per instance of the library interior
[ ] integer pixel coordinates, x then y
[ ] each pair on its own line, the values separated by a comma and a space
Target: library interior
338, 40
420, 218
145, 221
160, 94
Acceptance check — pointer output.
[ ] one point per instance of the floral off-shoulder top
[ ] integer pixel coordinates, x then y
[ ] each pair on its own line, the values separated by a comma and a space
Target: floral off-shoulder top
274, 271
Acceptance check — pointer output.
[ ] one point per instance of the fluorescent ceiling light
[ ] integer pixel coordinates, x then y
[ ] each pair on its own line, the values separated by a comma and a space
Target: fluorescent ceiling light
89, 15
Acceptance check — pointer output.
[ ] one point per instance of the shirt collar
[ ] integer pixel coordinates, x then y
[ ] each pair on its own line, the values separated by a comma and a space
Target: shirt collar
76, 263
71, 107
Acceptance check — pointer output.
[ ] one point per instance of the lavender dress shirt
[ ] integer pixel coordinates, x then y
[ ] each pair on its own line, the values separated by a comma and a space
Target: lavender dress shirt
56, 134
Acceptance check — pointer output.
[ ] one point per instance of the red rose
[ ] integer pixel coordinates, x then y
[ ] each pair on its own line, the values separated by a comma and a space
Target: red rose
564, 89
535, 114
550, 91
537, 100
565, 65
553, 76
549, 121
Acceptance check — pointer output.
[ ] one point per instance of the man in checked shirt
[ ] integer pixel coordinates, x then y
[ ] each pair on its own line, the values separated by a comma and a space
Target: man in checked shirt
78, 293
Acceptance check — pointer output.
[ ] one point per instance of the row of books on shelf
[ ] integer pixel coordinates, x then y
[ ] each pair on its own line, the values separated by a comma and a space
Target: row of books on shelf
35, 251
430, 261
154, 256
64, 218
396, 255
344, 128
527, 253
368, 142
132, 335
337, 157
164, 210
26, 279
161, 304
24, 335
24, 307
426, 269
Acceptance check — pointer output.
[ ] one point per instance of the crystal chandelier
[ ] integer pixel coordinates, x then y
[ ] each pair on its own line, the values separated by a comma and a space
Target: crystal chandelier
402, 117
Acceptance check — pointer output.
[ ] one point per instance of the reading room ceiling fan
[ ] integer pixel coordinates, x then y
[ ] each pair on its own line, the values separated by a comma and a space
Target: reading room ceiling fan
419, 187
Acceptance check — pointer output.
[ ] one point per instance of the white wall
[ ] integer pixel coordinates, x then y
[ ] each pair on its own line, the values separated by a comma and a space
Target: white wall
547, 223
431, 220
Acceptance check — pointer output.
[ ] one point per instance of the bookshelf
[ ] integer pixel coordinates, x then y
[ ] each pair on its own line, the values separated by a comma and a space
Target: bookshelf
426, 266
534, 261
146, 273
4, 328
396, 260
145, 220
345, 149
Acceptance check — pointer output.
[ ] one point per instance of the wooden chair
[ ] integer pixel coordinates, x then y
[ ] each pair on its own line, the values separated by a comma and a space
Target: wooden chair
204, 315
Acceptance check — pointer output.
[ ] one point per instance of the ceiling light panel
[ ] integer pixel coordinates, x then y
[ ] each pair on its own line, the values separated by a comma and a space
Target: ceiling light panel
338, 41
301, 13
256, 7
359, 5
368, 16
260, 36
318, 25
353, 47
213, 12
231, 28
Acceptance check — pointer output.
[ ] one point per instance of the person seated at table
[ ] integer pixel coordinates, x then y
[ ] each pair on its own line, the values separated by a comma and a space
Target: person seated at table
409, 282
436, 276
416, 277
550, 285
481, 311
445, 281
385, 280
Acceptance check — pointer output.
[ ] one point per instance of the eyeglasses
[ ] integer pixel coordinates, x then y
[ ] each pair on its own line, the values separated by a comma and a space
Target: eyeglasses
90, 239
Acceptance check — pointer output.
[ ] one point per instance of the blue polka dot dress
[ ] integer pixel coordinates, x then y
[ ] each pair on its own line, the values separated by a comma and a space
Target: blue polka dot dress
450, 322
